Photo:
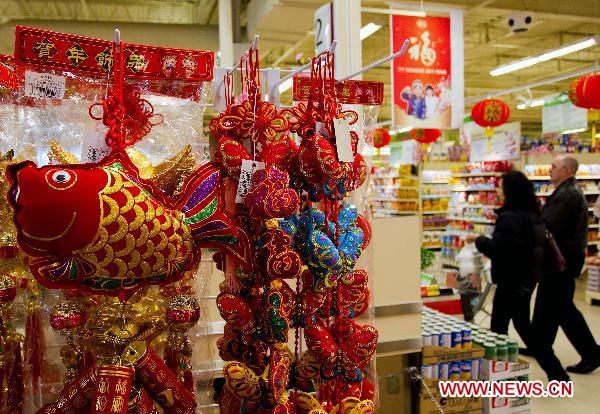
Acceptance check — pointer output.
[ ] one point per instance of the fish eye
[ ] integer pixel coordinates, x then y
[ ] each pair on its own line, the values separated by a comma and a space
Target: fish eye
61, 179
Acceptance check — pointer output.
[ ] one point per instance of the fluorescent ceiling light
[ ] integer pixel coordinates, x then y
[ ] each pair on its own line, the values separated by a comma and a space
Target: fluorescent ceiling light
530, 104
551, 54
538, 102
368, 30
394, 12
597, 135
573, 131
286, 85
402, 130
521, 106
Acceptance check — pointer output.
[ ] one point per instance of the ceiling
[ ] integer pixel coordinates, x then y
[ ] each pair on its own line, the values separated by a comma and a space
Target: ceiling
287, 36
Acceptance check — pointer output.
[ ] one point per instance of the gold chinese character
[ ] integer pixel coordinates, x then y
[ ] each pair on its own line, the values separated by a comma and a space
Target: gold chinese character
76, 54
136, 62
45, 49
117, 405
103, 386
101, 403
121, 387
105, 59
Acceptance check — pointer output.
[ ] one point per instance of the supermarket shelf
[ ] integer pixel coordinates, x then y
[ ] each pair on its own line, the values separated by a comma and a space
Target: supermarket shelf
472, 220
547, 177
434, 228
594, 226
390, 177
478, 174
434, 212
594, 243
438, 247
465, 189
466, 205
416, 200
543, 194
395, 187
435, 182
432, 196
591, 192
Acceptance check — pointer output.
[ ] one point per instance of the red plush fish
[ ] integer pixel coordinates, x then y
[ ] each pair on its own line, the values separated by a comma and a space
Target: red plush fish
102, 228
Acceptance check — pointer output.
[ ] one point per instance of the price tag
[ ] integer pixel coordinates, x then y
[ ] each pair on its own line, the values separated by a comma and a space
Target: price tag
246, 173
44, 85
94, 147
342, 140
219, 104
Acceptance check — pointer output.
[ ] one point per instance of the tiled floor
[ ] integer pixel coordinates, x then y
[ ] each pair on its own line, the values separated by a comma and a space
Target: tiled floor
587, 387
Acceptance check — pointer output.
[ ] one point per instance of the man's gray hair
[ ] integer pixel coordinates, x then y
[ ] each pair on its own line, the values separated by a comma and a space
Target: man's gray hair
571, 164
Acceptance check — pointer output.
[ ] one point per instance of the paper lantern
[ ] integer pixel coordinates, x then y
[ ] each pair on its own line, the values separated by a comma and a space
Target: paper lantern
584, 92
425, 136
381, 137
490, 113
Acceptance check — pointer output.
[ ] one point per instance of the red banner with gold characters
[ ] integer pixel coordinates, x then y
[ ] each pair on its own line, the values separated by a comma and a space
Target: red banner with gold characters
348, 92
421, 77
85, 55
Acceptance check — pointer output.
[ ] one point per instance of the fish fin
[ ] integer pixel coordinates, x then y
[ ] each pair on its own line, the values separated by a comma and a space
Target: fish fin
56, 273
203, 206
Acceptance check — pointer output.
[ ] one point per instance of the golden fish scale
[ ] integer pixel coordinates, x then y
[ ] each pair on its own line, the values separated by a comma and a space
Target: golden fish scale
162, 236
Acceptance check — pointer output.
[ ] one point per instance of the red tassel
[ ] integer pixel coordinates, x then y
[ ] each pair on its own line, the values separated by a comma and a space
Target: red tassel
16, 388
34, 348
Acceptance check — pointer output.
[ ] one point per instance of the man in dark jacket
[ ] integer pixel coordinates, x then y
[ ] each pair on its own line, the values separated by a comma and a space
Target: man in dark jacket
565, 215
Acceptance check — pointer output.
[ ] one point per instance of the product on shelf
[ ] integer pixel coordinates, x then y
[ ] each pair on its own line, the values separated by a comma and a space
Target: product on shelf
593, 284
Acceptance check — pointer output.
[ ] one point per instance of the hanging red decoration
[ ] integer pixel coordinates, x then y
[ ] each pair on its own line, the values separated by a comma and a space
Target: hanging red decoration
425, 136
584, 92
490, 113
381, 137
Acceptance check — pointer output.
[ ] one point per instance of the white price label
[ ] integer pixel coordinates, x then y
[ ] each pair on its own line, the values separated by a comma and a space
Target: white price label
249, 167
44, 85
94, 147
342, 140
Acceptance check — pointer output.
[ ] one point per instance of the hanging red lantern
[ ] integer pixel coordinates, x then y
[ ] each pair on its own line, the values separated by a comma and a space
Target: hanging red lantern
425, 136
381, 137
584, 92
490, 113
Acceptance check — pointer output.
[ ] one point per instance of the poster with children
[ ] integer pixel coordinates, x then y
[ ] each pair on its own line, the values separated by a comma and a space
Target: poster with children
421, 77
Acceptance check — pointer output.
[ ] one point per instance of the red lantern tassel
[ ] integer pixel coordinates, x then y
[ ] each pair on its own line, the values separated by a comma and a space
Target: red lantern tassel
16, 388
34, 348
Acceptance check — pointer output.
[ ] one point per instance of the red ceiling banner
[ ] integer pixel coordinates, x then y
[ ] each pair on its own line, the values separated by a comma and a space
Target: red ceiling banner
422, 77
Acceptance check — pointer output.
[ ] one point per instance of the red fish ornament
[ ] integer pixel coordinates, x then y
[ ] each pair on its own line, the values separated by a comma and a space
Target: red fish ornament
101, 228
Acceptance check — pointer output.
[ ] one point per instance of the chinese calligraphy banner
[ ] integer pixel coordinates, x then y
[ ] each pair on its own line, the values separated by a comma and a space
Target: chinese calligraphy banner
80, 54
347, 92
422, 78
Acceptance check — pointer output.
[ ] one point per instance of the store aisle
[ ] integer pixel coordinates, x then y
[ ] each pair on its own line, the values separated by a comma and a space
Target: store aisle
587, 387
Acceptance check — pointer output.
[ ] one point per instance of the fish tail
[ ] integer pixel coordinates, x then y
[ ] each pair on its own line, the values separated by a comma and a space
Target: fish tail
203, 206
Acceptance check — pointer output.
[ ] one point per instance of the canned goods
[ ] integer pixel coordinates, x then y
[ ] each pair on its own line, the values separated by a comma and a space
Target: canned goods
447, 339
467, 339
465, 371
435, 337
501, 351
435, 371
456, 338
490, 351
427, 338
492, 335
426, 371
513, 350
455, 370
444, 371
475, 368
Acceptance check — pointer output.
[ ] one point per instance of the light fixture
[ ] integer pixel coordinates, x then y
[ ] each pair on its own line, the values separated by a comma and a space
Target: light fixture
394, 12
403, 130
368, 30
551, 54
286, 85
597, 135
530, 104
573, 131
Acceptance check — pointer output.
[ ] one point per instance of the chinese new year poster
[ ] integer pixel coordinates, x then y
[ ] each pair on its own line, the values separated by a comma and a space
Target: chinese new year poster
422, 77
